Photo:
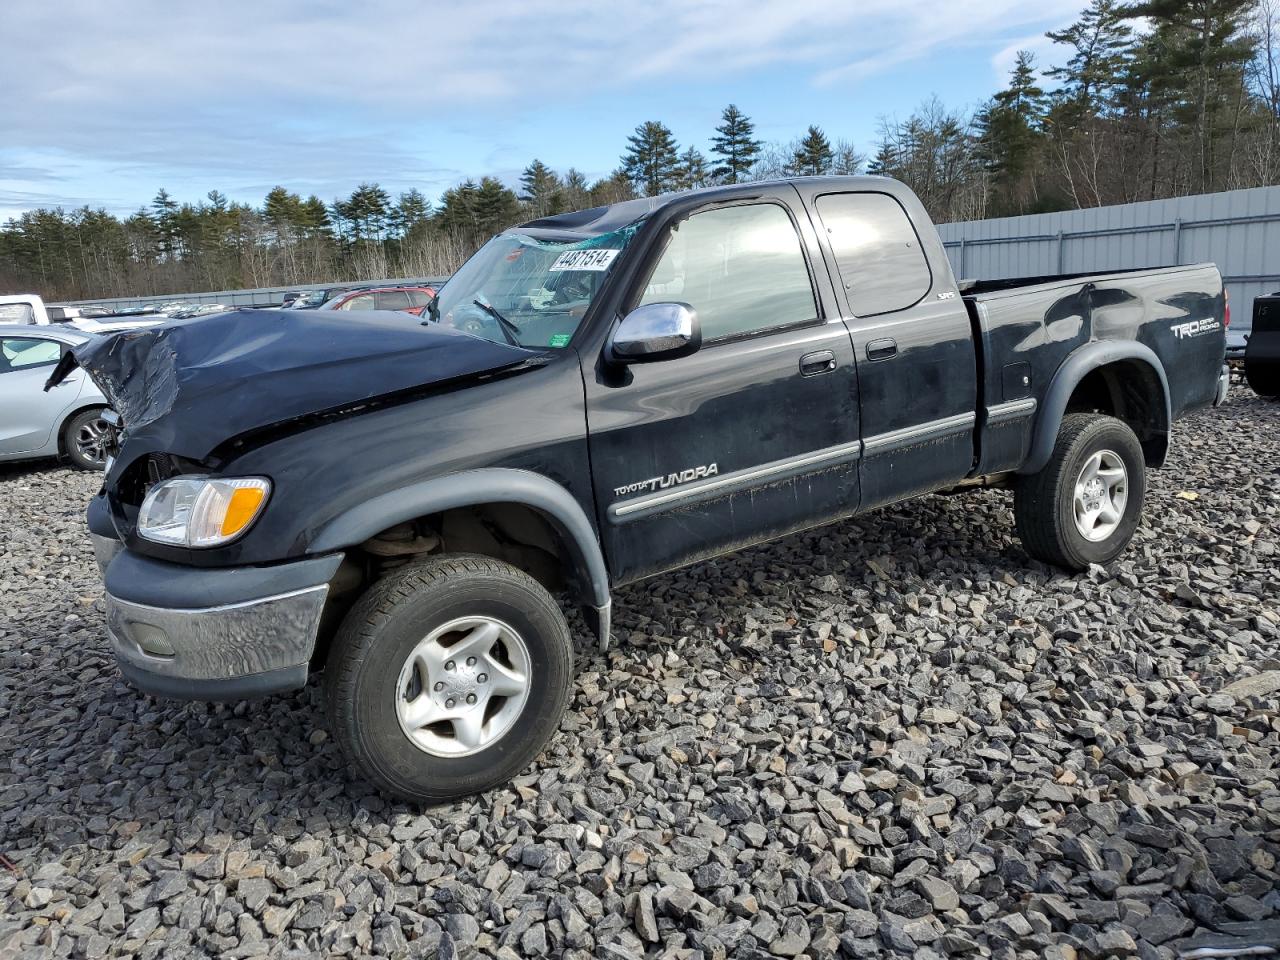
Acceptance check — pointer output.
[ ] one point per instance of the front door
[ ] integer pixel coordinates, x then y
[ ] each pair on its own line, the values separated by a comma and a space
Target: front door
752, 436
29, 414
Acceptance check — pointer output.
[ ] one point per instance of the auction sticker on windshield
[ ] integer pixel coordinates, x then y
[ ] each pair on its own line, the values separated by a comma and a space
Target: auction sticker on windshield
596, 259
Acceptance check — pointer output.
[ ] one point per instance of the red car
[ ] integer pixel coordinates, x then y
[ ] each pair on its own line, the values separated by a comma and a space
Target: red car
409, 299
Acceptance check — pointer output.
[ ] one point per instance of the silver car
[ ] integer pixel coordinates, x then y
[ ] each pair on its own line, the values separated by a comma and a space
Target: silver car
65, 421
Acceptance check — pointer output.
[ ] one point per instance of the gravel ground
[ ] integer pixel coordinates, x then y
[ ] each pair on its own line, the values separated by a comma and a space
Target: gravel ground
893, 736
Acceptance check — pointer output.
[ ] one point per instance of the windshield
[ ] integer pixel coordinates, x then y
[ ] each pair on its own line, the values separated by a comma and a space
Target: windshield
526, 291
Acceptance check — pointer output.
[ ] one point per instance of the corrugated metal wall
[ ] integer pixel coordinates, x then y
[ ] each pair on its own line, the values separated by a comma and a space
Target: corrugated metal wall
1238, 230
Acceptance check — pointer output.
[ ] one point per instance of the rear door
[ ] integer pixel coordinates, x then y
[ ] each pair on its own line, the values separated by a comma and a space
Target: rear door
917, 367
28, 414
755, 434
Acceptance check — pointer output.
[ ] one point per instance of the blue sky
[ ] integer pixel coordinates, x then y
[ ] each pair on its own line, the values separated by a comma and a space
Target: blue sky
105, 103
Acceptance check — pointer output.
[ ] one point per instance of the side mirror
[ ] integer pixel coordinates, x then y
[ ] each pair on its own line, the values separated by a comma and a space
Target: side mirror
656, 331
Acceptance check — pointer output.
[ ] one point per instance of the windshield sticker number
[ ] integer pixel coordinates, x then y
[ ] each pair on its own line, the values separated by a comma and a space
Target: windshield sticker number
597, 259
559, 340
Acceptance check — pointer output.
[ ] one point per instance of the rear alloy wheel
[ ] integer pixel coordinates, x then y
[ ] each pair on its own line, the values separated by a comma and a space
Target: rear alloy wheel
1101, 494
448, 677
1084, 506
86, 439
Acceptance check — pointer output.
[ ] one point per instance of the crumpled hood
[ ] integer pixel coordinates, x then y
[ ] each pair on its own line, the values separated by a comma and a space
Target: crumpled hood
187, 386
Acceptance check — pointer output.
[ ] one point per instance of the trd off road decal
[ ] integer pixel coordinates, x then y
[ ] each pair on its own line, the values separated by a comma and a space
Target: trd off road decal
670, 480
596, 259
1194, 328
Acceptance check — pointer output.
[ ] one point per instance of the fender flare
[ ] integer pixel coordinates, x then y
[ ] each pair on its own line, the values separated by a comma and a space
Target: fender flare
1075, 368
473, 488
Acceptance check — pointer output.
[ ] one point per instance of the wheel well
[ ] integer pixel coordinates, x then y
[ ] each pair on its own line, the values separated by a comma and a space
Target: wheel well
1128, 390
516, 533
62, 427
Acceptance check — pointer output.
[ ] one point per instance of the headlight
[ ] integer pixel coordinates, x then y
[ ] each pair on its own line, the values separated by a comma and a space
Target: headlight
201, 511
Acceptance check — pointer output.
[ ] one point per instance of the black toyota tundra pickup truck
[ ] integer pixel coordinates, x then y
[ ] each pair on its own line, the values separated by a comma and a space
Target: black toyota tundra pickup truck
594, 398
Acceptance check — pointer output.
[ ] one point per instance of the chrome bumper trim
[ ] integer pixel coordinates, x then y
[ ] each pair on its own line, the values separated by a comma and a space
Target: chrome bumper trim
217, 643
1224, 386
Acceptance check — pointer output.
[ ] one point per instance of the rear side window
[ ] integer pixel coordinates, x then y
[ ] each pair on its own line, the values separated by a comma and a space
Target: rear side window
741, 268
877, 252
391, 300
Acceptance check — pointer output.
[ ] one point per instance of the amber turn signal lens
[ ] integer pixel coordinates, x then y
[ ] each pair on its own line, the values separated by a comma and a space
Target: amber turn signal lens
243, 507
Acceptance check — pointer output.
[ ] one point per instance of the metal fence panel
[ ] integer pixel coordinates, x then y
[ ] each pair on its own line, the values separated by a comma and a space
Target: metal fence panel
1238, 230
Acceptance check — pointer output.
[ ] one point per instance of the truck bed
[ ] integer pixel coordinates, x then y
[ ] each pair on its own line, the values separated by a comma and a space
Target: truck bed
1026, 328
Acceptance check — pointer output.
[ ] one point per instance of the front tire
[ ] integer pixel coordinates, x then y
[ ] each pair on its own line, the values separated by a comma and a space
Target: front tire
1085, 505
84, 439
448, 677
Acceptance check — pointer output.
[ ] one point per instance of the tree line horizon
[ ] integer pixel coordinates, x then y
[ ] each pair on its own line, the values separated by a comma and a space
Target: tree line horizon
1148, 100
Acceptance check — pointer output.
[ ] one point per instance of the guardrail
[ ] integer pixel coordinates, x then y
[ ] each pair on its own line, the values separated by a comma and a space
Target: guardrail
254, 297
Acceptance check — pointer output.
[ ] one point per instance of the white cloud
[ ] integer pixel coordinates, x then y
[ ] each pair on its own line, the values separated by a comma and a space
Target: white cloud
242, 91
95, 63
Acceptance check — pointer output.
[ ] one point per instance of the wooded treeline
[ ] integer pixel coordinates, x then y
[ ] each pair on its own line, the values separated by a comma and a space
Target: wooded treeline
1143, 100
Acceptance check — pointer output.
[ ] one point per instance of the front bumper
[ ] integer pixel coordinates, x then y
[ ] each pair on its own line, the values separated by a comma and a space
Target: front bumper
213, 634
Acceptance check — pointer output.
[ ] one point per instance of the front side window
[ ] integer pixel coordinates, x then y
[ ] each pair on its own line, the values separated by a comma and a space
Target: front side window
741, 268
18, 353
363, 302
877, 252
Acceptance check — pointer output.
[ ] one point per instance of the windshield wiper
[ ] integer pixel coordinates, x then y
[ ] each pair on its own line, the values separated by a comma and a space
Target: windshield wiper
509, 329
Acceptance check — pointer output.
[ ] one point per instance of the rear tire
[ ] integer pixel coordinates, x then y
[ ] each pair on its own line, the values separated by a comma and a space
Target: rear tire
1085, 505
84, 439
429, 724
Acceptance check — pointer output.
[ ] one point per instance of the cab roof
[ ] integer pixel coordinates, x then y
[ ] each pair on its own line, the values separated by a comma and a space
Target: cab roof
580, 224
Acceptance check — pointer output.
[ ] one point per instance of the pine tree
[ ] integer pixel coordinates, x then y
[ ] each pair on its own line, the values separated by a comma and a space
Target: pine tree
1023, 96
652, 160
734, 145
1193, 60
475, 211
813, 156
577, 194
283, 210
164, 212
367, 210
412, 210
1099, 41
496, 207
541, 190
614, 188
693, 169
1009, 133
315, 216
